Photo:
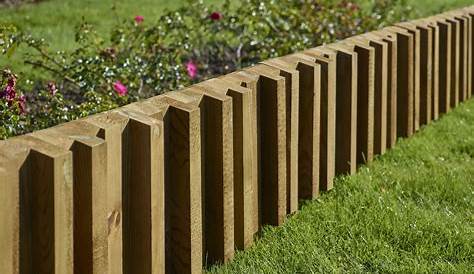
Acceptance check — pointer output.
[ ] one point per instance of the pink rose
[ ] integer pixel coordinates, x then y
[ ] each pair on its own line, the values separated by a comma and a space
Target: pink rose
192, 69
120, 88
139, 19
215, 16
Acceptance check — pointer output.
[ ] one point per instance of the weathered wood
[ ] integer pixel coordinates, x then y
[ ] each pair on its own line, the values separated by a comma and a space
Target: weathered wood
42, 240
245, 160
454, 64
434, 69
308, 126
365, 100
327, 145
346, 109
470, 55
463, 23
380, 89
405, 108
291, 76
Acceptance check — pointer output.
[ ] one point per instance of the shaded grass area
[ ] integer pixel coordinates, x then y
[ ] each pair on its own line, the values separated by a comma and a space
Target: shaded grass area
409, 211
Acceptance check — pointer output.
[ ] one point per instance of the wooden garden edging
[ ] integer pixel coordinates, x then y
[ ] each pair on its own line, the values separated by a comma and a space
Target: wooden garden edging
180, 180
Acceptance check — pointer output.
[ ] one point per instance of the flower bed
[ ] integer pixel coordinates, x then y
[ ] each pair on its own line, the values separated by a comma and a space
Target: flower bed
141, 58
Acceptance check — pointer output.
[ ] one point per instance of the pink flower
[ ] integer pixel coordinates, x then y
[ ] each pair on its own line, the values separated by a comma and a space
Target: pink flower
139, 19
120, 88
192, 69
52, 88
215, 16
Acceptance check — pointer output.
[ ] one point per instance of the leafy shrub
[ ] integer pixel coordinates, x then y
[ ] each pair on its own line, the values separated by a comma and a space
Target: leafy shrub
141, 59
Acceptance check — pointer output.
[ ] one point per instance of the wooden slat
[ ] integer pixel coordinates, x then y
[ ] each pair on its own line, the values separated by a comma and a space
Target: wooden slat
391, 85
454, 58
380, 90
271, 141
444, 76
90, 208
327, 61
183, 187
43, 240
346, 110
217, 160
463, 54
470, 58
291, 76
365, 100
411, 28
405, 78
308, 125
434, 68
245, 160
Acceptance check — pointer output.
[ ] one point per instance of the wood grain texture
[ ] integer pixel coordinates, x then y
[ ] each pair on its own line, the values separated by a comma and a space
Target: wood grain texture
463, 23
411, 28
454, 64
391, 123
308, 126
244, 160
327, 61
444, 61
90, 207
365, 100
291, 76
346, 109
434, 69
43, 202
271, 111
380, 90
405, 78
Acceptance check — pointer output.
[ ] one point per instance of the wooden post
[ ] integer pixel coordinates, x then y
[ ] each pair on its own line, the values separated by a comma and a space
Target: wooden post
416, 71
269, 97
327, 145
40, 178
292, 104
365, 100
245, 160
391, 41
308, 125
380, 89
444, 76
434, 68
454, 64
404, 81
463, 23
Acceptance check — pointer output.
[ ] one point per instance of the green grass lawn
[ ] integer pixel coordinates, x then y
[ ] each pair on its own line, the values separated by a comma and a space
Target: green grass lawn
411, 210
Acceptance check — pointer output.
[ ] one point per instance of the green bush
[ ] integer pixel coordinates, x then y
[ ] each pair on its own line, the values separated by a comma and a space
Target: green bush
140, 59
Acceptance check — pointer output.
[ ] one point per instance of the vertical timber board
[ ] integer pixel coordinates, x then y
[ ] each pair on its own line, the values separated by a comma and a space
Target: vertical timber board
444, 66
426, 65
380, 89
143, 193
391, 123
9, 213
89, 191
271, 114
455, 48
411, 29
469, 54
217, 162
434, 69
463, 55
327, 62
404, 82
471, 59
43, 173
291, 76
183, 190
111, 128
365, 101
346, 110
244, 159
308, 125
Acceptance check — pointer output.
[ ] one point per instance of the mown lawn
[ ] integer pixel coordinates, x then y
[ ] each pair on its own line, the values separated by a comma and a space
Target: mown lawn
409, 211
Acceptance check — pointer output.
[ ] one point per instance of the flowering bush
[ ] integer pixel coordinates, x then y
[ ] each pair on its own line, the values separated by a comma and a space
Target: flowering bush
142, 59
